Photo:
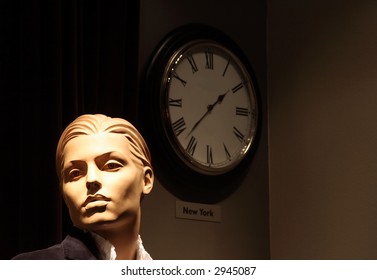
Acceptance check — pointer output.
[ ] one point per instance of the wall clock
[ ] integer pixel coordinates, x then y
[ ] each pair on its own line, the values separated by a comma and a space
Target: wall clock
203, 110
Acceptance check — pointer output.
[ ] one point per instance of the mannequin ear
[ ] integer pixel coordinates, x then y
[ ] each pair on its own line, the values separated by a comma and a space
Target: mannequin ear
148, 180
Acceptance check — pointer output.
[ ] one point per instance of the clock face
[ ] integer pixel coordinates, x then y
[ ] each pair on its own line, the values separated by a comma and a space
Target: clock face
210, 107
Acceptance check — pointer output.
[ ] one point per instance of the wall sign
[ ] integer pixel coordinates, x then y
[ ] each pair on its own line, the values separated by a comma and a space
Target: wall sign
197, 211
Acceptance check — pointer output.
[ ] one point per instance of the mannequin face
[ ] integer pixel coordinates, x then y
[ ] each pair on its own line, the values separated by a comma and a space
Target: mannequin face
102, 181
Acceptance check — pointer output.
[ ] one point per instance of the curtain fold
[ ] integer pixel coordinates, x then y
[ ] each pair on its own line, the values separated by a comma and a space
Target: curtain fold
58, 59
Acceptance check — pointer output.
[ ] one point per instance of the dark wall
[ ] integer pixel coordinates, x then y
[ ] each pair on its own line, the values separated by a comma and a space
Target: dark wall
244, 231
323, 112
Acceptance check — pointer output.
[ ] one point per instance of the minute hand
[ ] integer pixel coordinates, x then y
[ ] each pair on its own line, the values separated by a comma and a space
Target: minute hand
210, 107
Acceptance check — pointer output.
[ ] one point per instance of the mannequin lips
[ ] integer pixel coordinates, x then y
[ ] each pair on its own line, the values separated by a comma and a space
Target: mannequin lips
97, 200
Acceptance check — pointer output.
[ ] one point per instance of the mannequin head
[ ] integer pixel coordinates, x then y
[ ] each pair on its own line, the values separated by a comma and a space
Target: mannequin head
104, 169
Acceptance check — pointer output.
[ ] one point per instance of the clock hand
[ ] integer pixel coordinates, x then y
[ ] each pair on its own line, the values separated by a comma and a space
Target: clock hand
210, 107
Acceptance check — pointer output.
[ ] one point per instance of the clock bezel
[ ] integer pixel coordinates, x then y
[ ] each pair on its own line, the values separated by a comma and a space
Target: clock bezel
175, 59
171, 171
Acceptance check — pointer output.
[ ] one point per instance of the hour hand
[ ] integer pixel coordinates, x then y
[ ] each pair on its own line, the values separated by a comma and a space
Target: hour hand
210, 107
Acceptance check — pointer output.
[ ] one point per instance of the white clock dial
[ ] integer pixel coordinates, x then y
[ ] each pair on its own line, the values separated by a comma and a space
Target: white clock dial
211, 107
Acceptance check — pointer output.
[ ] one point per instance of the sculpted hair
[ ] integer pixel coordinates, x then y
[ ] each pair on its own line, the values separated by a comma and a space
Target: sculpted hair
93, 124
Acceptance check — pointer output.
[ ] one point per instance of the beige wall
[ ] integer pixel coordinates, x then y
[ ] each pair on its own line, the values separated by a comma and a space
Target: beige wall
322, 91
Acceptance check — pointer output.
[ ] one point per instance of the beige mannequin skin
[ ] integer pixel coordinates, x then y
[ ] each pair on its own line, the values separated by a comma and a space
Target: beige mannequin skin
104, 169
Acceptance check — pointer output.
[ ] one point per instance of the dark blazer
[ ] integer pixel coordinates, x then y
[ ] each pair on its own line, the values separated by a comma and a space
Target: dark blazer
77, 245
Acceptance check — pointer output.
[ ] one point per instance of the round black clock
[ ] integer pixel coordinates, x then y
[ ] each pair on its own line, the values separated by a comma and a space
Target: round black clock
203, 111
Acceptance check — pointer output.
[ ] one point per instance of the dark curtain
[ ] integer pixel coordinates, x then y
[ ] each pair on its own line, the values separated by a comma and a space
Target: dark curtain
58, 59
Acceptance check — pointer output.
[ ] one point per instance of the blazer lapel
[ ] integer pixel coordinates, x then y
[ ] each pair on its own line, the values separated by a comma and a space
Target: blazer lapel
79, 245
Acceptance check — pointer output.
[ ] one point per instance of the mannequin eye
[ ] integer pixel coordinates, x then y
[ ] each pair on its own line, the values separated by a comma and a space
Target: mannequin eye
112, 166
74, 174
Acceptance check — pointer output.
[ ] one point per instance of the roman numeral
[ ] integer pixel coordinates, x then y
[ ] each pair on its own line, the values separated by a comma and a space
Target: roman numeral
175, 102
209, 155
191, 146
226, 67
237, 87
183, 82
238, 134
209, 59
242, 111
179, 126
226, 152
190, 58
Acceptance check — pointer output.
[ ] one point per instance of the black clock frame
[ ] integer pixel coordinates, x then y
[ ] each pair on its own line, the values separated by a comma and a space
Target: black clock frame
179, 179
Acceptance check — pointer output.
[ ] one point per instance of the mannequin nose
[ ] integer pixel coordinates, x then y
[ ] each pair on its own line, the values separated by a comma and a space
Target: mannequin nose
90, 185
93, 178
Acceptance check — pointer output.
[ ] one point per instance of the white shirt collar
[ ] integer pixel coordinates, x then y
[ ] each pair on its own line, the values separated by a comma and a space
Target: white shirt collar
107, 250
